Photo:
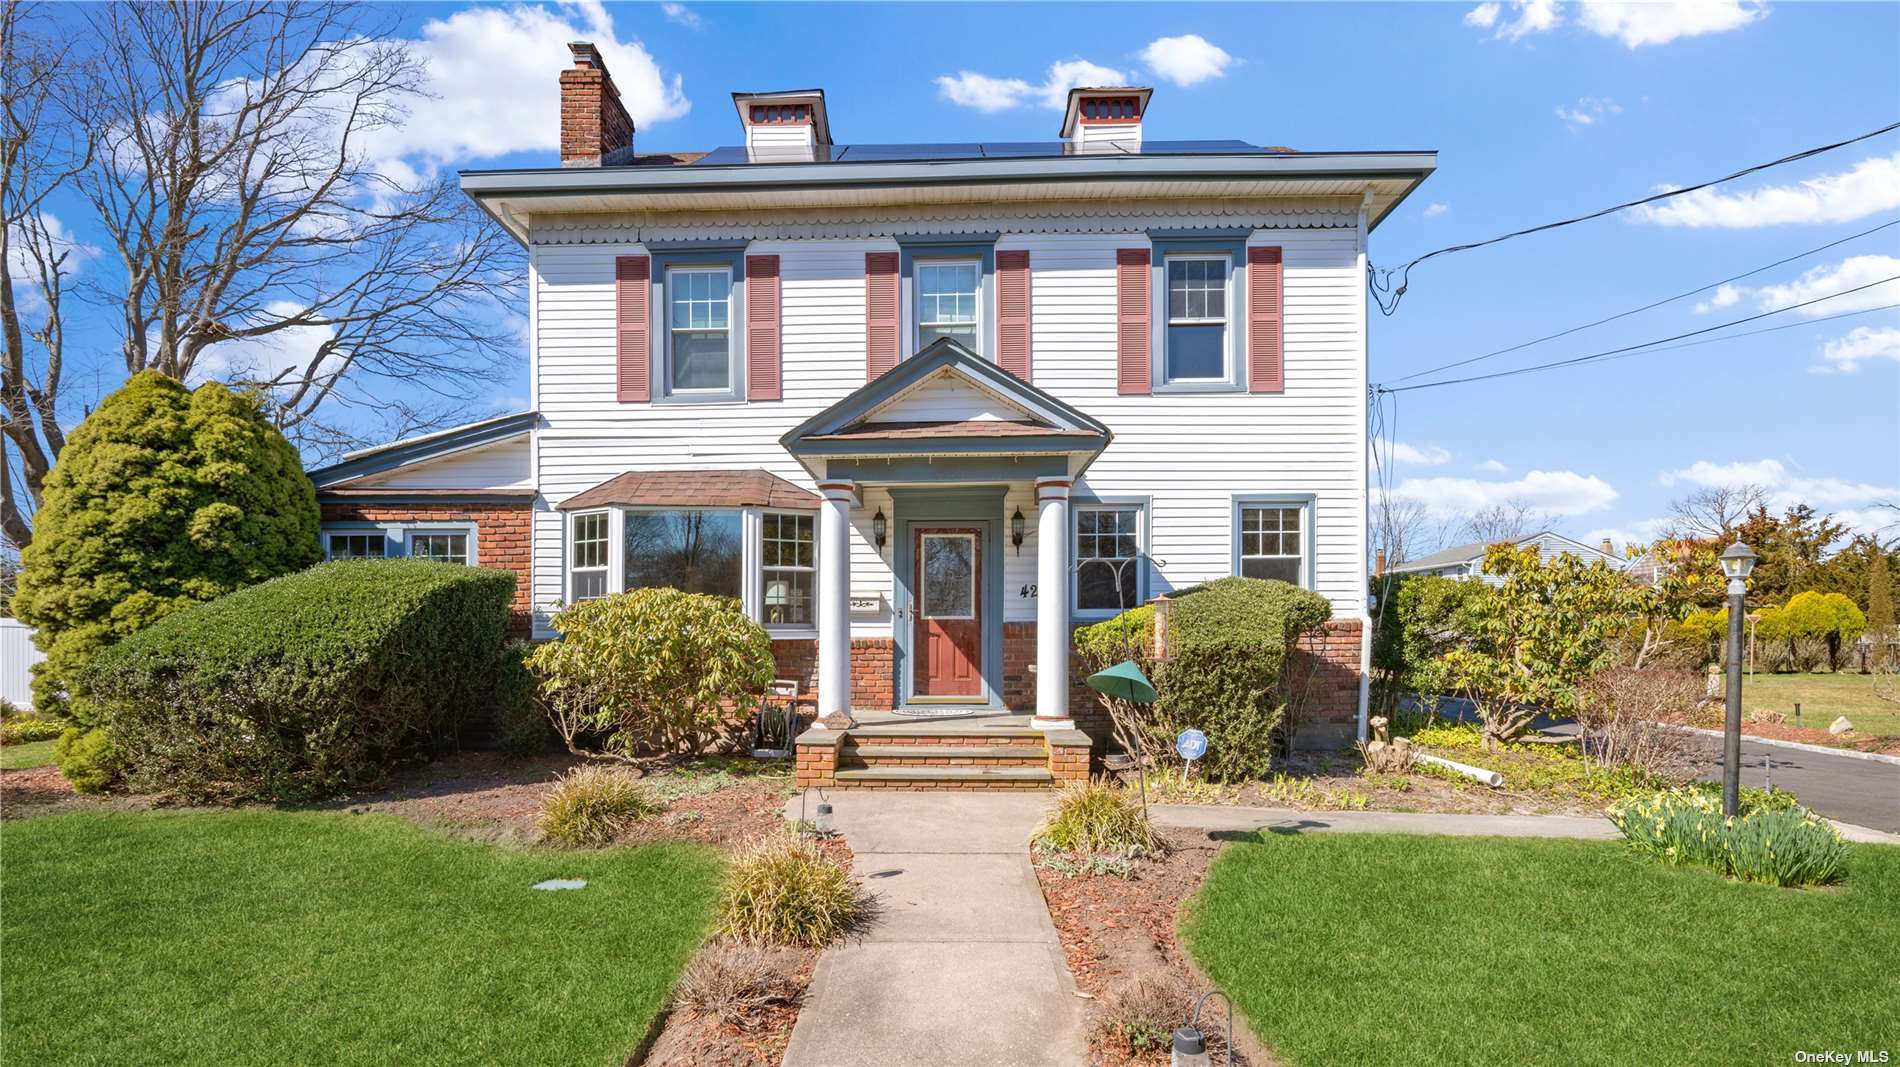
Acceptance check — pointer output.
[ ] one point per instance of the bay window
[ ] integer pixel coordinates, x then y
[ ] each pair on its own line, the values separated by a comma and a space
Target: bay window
765, 559
695, 551
587, 556
790, 569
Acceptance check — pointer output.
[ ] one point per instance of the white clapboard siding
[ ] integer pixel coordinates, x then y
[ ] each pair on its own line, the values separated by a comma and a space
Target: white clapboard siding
1191, 455
18, 654
503, 465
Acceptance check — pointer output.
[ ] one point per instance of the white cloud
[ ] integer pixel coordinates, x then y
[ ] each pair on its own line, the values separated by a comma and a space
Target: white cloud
1589, 111
262, 358
1725, 296
984, 93
1639, 24
1526, 17
1551, 492
1787, 488
1850, 273
1870, 187
1430, 455
1435, 209
26, 272
1820, 283
1862, 343
1186, 60
1492, 466
1634, 24
681, 14
493, 75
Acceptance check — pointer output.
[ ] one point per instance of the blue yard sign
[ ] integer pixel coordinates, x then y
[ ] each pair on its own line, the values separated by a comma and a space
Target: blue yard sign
1192, 745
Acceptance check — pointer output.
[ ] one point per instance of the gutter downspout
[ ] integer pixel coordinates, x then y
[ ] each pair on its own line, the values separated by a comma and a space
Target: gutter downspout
1365, 528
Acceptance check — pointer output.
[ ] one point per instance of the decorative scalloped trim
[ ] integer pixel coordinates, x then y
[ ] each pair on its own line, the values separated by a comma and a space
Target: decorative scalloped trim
1097, 217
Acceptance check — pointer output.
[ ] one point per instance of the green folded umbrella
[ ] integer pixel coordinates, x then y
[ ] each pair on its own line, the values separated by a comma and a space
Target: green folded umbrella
1124, 680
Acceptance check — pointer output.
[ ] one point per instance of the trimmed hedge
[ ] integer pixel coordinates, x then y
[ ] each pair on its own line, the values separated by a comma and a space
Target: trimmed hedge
1228, 642
308, 685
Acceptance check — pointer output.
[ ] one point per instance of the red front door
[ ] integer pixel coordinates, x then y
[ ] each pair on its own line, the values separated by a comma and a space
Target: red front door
948, 641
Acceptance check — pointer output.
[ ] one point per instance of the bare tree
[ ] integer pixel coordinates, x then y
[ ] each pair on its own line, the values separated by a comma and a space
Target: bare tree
39, 155
1512, 520
1402, 528
1714, 511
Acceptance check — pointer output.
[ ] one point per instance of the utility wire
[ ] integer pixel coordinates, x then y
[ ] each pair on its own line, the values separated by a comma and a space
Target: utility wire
1379, 281
1595, 356
1649, 307
1753, 333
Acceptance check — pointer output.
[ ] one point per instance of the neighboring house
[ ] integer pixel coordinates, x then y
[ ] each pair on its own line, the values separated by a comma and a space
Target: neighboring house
921, 408
1467, 561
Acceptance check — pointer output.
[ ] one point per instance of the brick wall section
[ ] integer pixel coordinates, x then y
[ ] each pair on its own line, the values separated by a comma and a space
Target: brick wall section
815, 765
872, 686
1325, 665
502, 540
1019, 655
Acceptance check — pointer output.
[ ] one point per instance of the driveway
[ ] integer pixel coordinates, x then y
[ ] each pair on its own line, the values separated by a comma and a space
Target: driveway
1859, 791
962, 965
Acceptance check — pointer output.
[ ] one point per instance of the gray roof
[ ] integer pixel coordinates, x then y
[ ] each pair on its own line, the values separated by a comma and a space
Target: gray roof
1444, 557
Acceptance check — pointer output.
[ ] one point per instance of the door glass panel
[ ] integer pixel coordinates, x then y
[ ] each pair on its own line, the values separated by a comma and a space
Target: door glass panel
949, 577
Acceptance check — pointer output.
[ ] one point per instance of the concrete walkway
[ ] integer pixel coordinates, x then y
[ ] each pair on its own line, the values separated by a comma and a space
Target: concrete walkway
962, 965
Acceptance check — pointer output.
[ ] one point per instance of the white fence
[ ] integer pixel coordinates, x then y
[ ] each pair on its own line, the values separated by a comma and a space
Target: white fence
17, 657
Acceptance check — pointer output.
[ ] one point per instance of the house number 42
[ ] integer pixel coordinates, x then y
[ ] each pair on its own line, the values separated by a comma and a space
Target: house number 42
1028, 591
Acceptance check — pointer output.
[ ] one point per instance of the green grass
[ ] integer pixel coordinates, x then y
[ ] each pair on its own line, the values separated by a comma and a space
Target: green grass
1823, 697
298, 937
1378, 949
24, 757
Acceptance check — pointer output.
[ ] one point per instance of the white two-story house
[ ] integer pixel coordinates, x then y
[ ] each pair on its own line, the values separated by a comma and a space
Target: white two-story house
922, 408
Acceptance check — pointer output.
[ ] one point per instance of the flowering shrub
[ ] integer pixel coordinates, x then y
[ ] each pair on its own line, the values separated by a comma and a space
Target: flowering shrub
1772, 843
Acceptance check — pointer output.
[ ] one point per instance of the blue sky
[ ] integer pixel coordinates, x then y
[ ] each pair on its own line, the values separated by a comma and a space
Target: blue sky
1537, 110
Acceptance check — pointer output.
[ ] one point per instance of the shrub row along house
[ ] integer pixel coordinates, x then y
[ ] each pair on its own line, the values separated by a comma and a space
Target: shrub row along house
923, 409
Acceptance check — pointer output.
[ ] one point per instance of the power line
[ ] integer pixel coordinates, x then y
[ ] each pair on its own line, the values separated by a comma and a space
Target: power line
1753, 333
1595, 356
1379, 281
1648, 307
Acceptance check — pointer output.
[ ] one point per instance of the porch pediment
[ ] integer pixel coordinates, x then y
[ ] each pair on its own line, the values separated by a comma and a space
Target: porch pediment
948, 401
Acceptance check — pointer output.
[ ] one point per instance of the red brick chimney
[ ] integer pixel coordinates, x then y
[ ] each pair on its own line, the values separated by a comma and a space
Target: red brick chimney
595, 128
1378, 563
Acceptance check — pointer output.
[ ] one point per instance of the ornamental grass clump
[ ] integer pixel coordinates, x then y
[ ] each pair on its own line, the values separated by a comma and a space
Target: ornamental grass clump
590, 806
785, 891
1098, 819
1773, 844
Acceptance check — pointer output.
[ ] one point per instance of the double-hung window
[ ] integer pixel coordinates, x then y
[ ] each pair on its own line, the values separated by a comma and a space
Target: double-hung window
692, 550
588, 556
1197, 332
788, 563
699, 329
949, 294
1273, 541
440, 542
1108, 567
442, 547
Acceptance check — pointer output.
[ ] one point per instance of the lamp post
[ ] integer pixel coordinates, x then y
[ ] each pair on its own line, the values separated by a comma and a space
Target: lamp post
1737, 561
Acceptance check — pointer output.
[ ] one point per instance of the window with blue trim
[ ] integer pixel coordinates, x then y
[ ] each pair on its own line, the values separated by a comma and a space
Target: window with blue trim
1273, 542
1108, 565
949, 294
1197, 335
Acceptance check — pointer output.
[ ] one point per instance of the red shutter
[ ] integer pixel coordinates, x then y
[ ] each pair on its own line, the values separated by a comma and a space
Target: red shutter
1133, 369
1266, 334
1012, 312
881, 318
761, 328
633, 350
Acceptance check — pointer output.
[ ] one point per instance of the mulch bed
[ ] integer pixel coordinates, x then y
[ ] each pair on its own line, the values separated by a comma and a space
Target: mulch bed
1113, 929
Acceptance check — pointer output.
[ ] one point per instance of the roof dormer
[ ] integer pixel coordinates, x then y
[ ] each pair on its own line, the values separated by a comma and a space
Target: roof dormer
788, 126
1106, 118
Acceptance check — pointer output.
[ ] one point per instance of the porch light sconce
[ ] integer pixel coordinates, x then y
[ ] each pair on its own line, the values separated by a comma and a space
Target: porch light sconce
1016, 530
879, 528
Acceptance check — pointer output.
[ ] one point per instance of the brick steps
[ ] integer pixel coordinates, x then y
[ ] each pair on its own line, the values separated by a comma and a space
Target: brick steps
874, 754
946, 777
928, 755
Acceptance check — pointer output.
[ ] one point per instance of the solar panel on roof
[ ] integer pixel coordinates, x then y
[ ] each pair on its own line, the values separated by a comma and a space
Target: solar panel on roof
865, 153
718, 156
1196, 148
1024, 149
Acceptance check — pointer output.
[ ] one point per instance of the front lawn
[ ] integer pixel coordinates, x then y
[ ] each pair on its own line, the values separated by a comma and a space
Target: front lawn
1380, 949
303, 937
27, 756
1822, 698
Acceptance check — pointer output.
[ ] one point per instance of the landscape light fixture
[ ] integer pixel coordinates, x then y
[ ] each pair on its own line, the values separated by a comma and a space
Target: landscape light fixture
1738, 560
1016, 530
879, 528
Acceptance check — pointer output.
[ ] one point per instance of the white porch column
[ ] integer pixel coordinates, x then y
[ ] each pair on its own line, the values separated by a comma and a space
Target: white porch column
1052, 605
834, 605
